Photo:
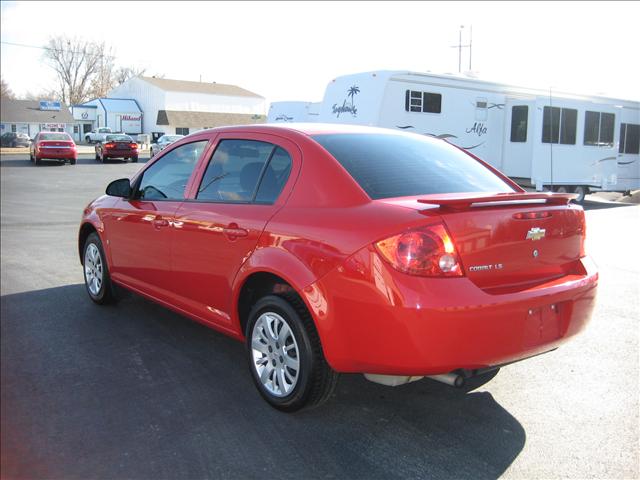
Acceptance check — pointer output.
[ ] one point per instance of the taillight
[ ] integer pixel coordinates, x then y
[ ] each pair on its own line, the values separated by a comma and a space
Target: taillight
133, 145
425, 251
109, 145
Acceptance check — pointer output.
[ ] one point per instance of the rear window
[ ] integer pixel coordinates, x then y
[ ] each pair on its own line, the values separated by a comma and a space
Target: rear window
389, 165
55, 136
118, 138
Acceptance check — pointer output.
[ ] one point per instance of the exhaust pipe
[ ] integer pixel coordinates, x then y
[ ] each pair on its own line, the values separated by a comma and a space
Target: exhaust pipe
453, 379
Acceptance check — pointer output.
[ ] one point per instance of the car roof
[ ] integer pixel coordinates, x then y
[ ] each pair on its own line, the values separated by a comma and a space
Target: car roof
306, 128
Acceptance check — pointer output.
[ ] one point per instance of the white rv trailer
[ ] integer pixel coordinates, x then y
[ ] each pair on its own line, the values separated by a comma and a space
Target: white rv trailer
293, 112
555, 140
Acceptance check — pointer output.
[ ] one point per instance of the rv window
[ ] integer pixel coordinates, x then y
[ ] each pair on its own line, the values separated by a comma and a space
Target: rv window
629, 138
568, 126
598, 129
422, 102
559, 125
551, 125
519, 123
432, 102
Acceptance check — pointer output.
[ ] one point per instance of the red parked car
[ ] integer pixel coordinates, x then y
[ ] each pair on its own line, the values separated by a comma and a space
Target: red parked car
57, 146
117, 146
335, 248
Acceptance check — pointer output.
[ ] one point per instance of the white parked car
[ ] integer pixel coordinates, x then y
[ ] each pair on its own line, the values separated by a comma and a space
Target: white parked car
97, 135
163, 142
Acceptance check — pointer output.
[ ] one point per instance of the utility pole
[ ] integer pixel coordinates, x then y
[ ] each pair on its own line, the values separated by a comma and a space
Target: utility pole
460, 46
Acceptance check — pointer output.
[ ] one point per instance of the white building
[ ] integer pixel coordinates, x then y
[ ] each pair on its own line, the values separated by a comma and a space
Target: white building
182, 107
119, 114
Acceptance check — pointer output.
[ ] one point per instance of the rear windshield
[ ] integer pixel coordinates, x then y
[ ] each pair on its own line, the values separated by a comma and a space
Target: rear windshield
118, 138
55, 136
390, 165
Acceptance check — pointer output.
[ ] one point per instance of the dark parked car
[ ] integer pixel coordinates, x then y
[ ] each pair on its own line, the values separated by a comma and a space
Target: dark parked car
117, 146
13, 139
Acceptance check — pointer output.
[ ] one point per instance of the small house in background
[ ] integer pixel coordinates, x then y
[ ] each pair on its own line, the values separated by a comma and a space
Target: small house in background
183, 107
33, 116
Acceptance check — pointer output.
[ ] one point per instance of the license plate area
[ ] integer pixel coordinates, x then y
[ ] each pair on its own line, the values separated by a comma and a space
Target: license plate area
546, 323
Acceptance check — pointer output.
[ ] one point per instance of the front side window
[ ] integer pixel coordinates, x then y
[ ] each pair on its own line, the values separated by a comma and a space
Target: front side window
167, 178
629, 138
387, 165
559, 125
243, 171
598, 129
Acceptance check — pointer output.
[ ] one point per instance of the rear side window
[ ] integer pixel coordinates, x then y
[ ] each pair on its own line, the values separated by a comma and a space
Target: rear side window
244, 171
387, 165
167, 178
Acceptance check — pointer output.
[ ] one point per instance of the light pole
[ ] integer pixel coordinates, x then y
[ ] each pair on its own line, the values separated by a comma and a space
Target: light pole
460, 46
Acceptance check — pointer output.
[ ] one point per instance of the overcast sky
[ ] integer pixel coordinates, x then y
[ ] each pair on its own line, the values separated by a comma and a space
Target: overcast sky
290, 51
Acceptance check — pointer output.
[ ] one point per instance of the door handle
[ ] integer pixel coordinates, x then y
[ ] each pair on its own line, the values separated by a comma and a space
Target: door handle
233, 231
160, 222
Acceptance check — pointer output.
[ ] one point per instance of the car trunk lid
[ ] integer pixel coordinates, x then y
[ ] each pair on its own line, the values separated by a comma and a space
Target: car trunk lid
512, 240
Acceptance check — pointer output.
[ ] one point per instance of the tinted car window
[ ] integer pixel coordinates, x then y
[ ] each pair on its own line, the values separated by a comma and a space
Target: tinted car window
236, 168
167, 178
63, 137
275, 176
389, 165
118, 138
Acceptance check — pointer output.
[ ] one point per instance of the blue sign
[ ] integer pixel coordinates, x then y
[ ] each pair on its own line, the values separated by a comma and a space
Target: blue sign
47, 105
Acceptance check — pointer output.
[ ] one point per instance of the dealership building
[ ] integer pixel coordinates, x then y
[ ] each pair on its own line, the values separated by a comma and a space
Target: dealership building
33, 116
120, 114
182, 107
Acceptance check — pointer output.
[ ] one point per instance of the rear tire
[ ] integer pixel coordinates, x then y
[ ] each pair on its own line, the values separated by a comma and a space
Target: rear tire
285, 355
38, 161
96, 272
582, 192
134, 159
73, 161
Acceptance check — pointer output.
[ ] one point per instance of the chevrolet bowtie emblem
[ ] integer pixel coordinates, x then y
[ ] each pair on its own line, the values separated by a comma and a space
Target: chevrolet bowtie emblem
535, 233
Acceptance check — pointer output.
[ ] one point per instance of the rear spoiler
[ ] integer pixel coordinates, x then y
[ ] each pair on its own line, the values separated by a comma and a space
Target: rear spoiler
463, 201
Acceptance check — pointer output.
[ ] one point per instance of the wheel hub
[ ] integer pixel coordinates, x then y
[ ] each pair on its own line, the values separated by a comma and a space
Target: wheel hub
93, 269
275, 354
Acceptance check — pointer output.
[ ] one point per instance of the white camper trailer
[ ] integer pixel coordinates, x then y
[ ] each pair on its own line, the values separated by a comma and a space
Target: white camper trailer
544, 139
280, 112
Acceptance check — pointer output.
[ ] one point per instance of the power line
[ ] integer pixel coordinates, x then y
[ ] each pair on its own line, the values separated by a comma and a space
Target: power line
39, 47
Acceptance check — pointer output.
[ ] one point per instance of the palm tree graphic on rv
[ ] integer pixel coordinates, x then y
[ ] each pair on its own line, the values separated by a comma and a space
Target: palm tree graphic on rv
354, 90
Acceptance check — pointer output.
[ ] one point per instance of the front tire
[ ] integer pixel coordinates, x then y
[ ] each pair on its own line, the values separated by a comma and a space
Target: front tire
96, 272
285, 356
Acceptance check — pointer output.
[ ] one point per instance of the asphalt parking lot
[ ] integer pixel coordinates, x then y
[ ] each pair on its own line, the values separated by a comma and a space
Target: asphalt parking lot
136, 391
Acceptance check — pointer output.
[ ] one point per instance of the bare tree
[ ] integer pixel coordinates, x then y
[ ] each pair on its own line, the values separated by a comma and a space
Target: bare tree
125, 73
77, 63
5, 91
42, 95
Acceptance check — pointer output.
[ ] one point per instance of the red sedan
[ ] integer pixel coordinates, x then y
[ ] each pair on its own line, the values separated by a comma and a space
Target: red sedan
117, 146
333, 249
57, 146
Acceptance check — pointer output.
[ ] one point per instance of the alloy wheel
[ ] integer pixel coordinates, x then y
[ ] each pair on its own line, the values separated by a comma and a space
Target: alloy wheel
93, 271
275, 352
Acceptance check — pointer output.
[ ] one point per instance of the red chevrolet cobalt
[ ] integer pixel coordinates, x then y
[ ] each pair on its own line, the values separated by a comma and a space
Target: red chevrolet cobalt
331, 248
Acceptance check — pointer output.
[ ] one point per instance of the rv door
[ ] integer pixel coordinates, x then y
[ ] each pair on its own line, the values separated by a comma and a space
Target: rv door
517, 153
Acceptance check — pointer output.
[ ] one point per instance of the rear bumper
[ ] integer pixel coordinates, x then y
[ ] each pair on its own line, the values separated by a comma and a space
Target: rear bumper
121, 154
374, 319
68, 155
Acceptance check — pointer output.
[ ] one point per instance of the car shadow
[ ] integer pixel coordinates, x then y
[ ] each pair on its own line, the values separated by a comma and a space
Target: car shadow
135, 391
594, 205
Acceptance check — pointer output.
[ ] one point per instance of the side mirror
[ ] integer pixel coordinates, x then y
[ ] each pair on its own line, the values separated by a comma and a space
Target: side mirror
119, 188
